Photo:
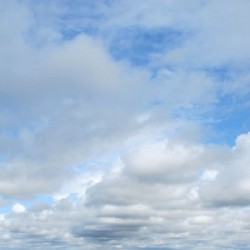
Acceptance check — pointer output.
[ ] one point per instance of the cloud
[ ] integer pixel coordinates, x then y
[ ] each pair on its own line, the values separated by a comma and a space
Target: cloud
130, 210
209, 175
62, 100
18, 208
156, 201
234, 170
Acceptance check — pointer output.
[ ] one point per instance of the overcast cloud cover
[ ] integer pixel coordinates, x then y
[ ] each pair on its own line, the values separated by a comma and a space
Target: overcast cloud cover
124, 124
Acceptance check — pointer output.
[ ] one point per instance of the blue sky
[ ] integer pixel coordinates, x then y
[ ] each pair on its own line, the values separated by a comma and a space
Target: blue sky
124, 124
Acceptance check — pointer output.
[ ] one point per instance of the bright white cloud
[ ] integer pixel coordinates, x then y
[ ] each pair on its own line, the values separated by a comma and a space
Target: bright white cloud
18, 208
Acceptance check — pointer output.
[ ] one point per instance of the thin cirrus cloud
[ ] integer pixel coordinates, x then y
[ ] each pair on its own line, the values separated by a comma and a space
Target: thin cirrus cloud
124, 125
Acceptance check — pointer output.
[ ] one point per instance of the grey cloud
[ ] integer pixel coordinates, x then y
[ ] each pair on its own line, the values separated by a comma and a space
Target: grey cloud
232, 185
109, 233
61, 107
122, 210
115, 197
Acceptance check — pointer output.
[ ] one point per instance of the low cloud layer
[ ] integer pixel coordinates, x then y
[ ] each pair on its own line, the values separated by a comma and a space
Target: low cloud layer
206, 205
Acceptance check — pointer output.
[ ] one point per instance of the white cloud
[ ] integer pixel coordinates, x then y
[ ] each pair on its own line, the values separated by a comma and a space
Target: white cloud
78, 185
18, 208
209, 175
164, 160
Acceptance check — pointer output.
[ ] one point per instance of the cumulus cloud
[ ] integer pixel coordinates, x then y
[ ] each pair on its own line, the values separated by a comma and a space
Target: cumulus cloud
18, 208
232, 184
130, 210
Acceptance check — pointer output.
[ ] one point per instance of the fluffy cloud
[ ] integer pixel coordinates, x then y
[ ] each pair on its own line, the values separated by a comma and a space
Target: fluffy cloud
126, 208
58, 106
231, 187
18, 208
156, 208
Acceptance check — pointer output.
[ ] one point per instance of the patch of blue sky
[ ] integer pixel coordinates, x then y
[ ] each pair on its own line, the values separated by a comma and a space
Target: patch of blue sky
69, 33
139, 46
226, 72
47, 199
3, 158
70, 26
74, 197
5, 209
68, 18
81, 17
228, 127
155, 103
220, 73
99, 162
225, 120
11, 132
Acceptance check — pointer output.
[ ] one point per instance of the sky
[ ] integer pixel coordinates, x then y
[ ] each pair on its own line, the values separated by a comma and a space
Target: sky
124, 124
